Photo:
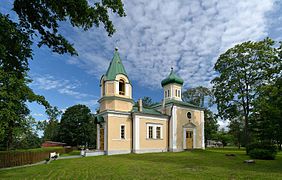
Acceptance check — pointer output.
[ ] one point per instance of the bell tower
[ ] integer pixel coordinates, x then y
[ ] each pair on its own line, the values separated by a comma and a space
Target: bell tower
172, 86
116, 89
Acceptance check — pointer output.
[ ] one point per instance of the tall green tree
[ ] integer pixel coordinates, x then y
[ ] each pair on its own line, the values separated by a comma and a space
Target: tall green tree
198, 96
77, 126
211, 125
236, 129
50, 127
14, 92
241, 70
267, 121
39, 22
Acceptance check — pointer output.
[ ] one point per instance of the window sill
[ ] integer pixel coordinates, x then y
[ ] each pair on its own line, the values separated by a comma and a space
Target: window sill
154, 139
120, 139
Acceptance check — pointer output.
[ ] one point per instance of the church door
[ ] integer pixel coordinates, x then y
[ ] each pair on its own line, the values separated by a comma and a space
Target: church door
102, 139
189, 139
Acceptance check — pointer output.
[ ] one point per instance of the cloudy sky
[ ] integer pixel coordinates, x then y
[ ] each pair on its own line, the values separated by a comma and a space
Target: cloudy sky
154, 36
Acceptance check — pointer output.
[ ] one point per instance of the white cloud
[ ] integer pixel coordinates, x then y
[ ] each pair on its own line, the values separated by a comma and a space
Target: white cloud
38, 114
188, 35
62, 86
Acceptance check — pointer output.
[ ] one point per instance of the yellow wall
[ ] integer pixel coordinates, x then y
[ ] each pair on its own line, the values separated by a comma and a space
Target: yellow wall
116, 105
153, 143
114, 141
182, 120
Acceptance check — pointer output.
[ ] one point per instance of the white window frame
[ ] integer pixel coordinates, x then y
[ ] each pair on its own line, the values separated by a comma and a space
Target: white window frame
155, 131
124, 131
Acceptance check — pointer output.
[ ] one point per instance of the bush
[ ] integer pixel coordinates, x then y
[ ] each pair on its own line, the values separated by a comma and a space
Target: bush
261, 145
262, 154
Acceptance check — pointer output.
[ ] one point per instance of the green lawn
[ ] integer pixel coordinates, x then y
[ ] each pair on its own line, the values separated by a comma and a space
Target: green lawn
209, 164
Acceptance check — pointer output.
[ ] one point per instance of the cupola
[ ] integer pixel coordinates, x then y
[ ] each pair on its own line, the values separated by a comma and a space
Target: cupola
172, 86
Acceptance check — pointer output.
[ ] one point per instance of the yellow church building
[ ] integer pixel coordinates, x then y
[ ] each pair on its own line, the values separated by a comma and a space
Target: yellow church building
172, 125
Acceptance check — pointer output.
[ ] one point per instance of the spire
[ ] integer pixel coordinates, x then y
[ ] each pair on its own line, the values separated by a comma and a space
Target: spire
116, 67
172, 78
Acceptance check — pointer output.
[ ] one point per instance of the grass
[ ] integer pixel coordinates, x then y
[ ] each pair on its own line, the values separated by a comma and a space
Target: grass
198, 164
72, 153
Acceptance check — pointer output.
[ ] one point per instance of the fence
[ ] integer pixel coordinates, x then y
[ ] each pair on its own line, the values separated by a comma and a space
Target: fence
17, 158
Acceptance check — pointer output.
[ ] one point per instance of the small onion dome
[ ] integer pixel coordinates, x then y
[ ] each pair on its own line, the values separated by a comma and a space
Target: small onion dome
172, 78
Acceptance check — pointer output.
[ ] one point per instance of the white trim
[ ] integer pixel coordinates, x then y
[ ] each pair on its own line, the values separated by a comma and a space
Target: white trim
118, 115
174, 130
113, 152
152, 118
203, 129
106, 135
127, 90
140, 151
124, 132
154, 131
136, 133
98, 136
194, 138
117, 87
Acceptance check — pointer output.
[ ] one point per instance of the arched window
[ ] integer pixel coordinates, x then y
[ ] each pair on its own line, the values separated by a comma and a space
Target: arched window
103, 88
121, 87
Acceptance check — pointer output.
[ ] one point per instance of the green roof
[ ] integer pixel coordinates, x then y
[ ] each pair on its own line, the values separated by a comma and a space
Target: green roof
147, 111
181, 103
116, 67
172, 78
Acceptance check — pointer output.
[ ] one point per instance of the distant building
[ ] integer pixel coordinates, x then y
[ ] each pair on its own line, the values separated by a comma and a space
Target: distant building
172, 125
53, 144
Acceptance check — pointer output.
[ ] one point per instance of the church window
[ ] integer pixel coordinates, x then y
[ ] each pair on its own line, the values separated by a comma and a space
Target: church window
122, 131
150, 132
168, 93
121, 87
189, 115
178, 93
158, 132
165, 94
103, 88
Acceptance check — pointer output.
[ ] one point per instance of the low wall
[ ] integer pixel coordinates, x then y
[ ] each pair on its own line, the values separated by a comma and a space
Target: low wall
19, 158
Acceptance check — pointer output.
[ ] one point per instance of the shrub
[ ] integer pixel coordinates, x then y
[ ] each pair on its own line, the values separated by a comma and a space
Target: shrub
261, 145
262, 154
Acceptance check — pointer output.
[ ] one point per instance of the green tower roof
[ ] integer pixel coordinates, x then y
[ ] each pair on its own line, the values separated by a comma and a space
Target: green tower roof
172, 78
116, 67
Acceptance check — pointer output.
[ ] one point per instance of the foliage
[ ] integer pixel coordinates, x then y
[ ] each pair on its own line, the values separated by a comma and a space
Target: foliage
236, 130
211, 125
208, 164
242, 69
197, 96
261, 145
14, 92
262, 154
50, 127
147, 102
77, 126
223, 137
268, 114
42, 18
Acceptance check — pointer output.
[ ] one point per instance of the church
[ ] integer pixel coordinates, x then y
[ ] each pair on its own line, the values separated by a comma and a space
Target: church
123, 127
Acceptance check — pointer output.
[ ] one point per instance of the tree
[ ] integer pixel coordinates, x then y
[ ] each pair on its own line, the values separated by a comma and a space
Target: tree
51, 126
42, 18
39, 21
147, 102
267, 121
236, 130
197, 96
14, 91
242, 69
77, 126
211, 125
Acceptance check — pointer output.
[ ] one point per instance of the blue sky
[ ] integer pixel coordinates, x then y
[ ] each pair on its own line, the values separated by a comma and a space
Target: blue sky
154, 36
